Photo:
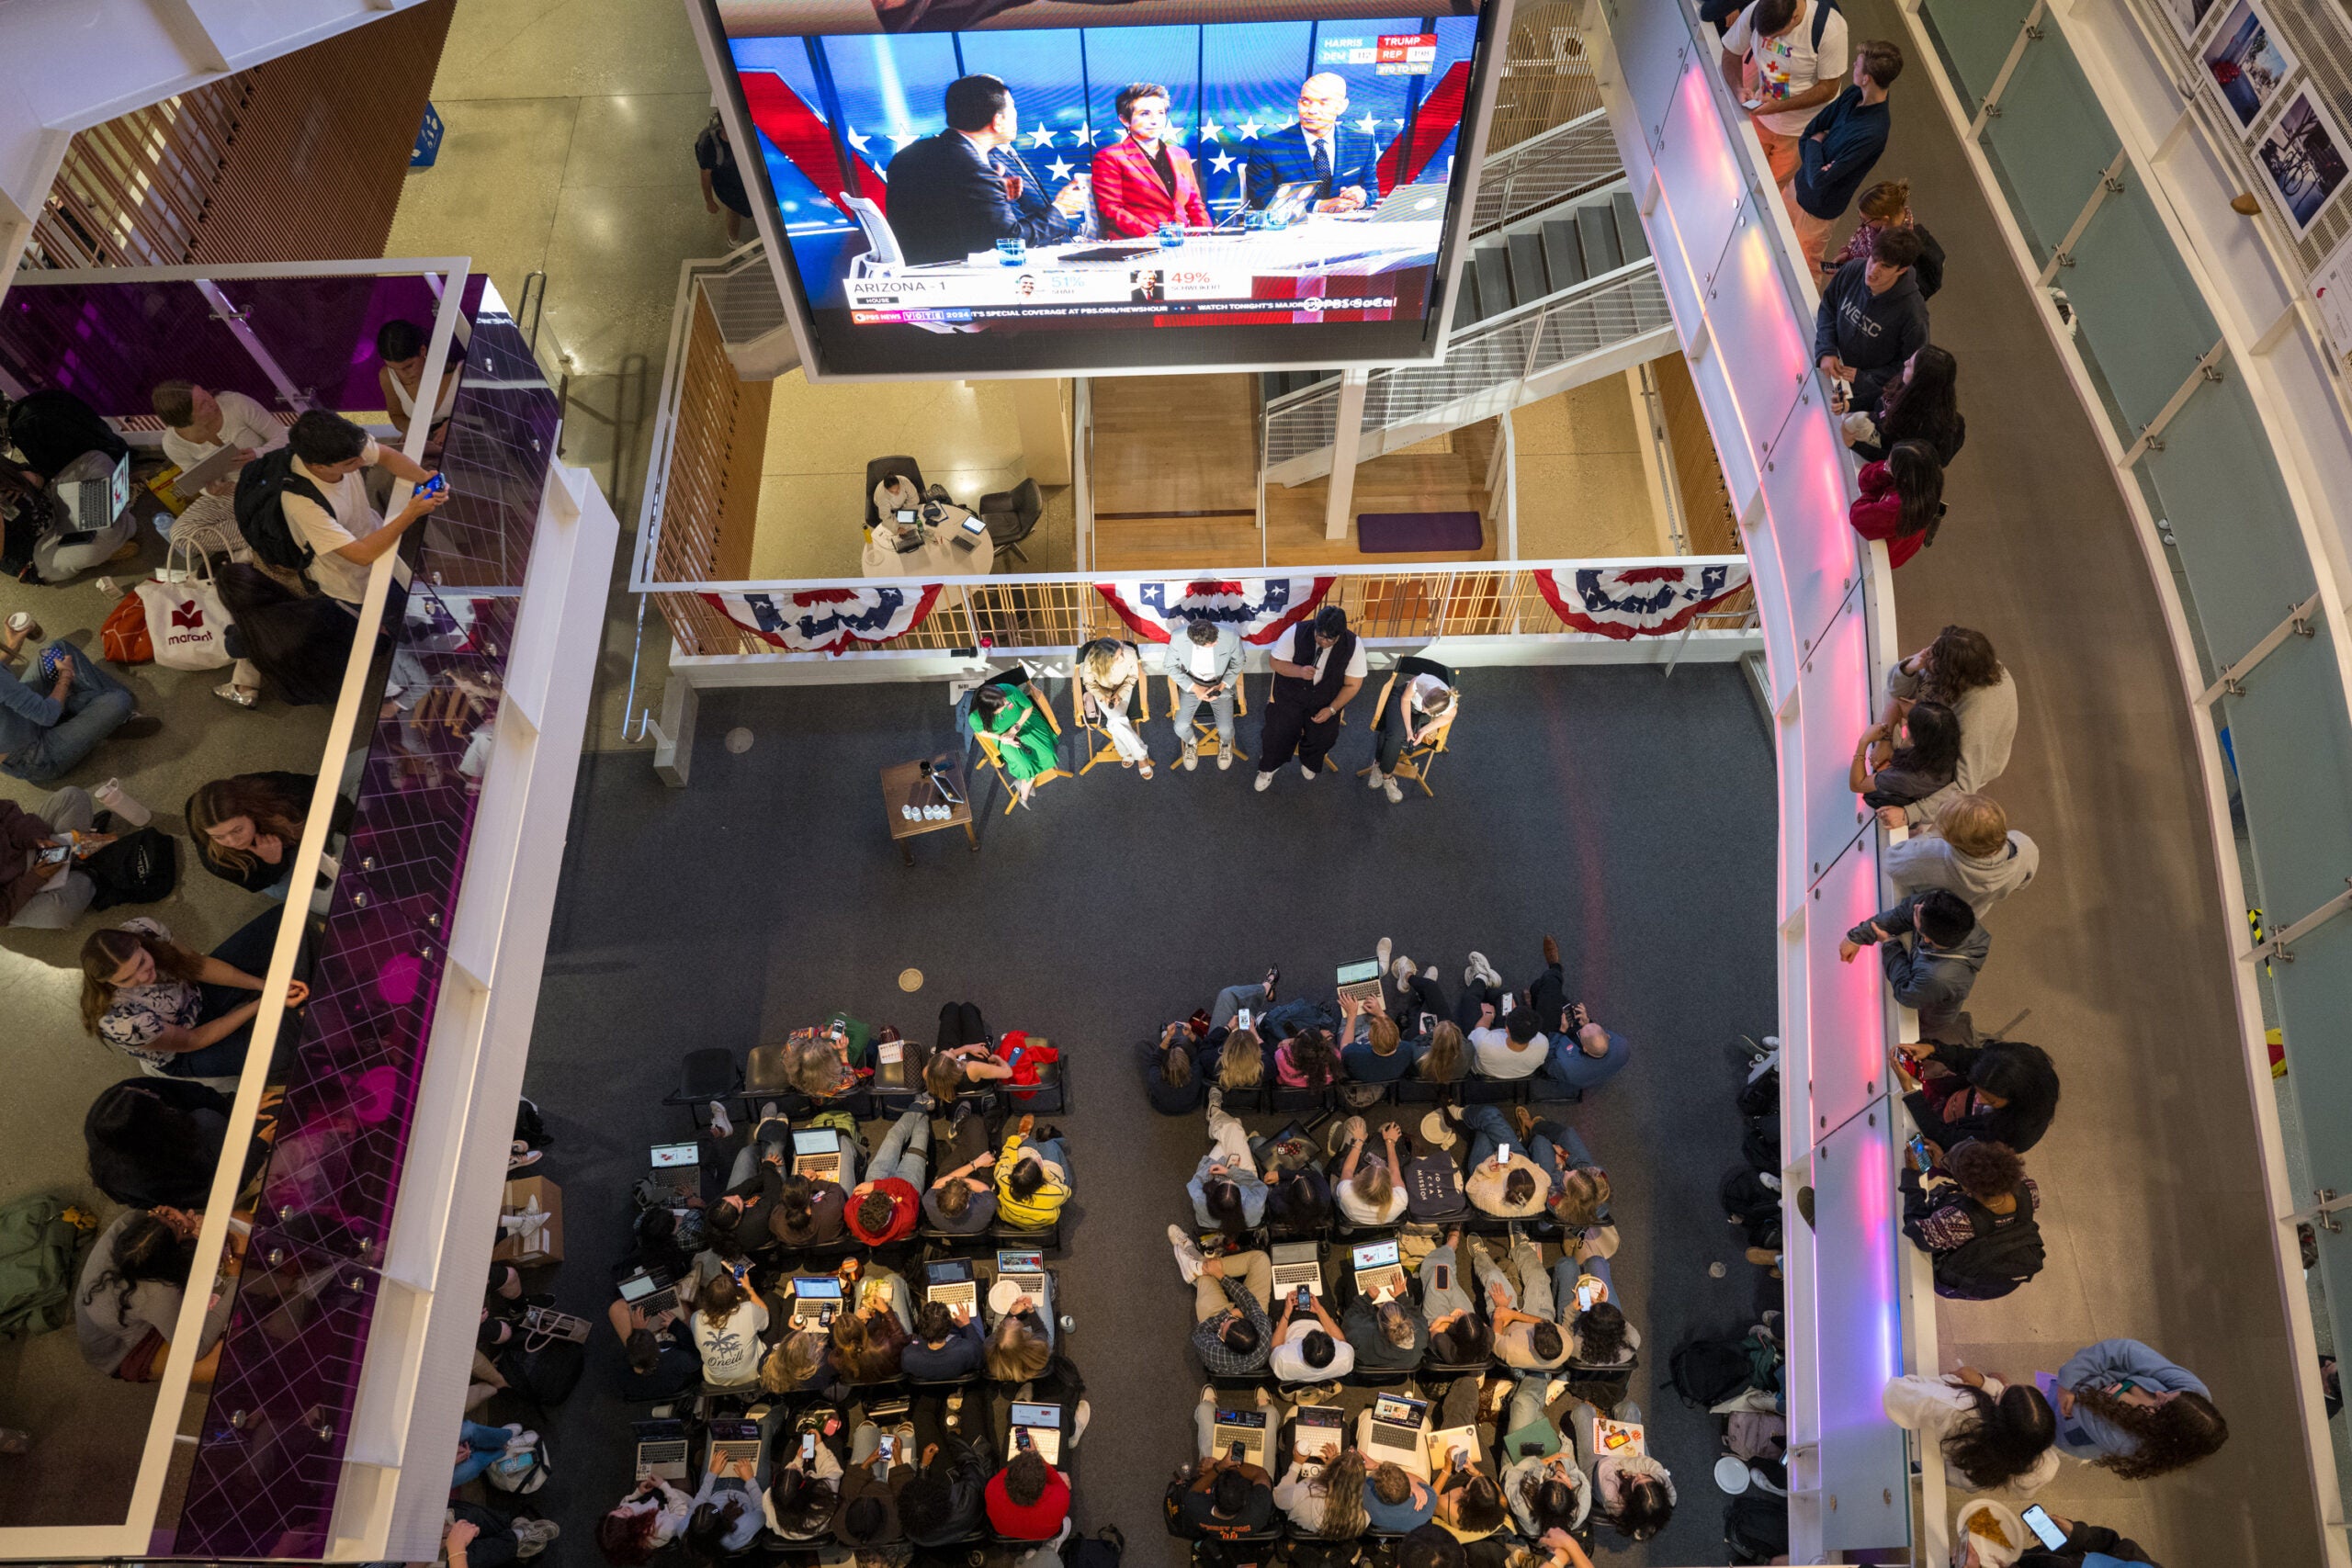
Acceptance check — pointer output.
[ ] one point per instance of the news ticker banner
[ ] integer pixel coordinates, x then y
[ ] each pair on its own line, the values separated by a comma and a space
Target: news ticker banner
789, 18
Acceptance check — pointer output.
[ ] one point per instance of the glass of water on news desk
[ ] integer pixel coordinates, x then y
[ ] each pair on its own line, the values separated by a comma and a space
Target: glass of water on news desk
1014, 252
1172, 235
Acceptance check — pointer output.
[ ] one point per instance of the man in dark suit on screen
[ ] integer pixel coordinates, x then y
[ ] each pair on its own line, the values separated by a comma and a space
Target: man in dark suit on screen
1342, 161
961, 191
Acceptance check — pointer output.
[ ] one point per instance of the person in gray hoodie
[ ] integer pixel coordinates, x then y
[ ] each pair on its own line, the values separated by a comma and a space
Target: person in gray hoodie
1872, 317
1971, 850
1934, 971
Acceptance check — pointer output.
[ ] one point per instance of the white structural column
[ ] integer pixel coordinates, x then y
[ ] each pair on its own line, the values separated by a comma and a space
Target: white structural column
1346, 440
66, 65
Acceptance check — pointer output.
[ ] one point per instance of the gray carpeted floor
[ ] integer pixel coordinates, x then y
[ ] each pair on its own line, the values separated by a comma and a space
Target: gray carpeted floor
1627, 814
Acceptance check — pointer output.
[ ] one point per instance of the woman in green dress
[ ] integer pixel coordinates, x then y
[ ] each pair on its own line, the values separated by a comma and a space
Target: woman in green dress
1024, 737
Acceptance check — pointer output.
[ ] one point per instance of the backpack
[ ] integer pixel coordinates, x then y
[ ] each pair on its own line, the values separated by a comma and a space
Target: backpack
1751, 1201
1756, 1527
1723, 12
137, 868
1705, 1372
1761, 1144
529, 1126
1762, 1096
38, 1240
263, 483
545, 1374
1992, 1265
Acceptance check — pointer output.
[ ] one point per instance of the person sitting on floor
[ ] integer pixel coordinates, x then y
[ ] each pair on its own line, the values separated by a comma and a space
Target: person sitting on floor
1518, 1049
1457, 1336
946, 1345
801, 1362
946, 1498
1231, 1333
880, 1466
805, 1493
885, 1207
1519, 1298
1634, 1492
962, 1201
1307, 1060
126, 1305
1934, 971
1433, 1191
1374, 1051
1298, 1202
1395, 1502
1503, 1181
1469, 1505
963, 1056
809, 1212
1226, 1190
1387, 1336
42, 887
1032, 1177
1021, 1347
654, 1515
153, 1000
247, 827
724, 1519
58, 713
1323, 1493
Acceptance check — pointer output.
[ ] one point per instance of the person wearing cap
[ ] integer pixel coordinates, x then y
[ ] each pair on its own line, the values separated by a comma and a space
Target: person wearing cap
1322, 675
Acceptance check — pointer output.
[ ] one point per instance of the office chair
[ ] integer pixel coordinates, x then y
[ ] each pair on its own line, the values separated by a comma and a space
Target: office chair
1415, 764
1011, 516
881, 240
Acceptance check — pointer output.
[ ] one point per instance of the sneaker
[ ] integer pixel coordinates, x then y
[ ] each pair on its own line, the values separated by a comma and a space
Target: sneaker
1381, 952
1188, 1263
767, 1111
1402, 970
1193, 757
536, 1535
720, 1127
521, 1438
229, 691
137, 726
1485, 971
1553, 1389
1265, 781
1077, 1423
924, 1104
1474, 971
1373, 777
1393, 790
1224, 760
1304, 771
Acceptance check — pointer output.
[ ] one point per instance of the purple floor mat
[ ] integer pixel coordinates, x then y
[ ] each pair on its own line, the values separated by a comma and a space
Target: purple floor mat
1388, 533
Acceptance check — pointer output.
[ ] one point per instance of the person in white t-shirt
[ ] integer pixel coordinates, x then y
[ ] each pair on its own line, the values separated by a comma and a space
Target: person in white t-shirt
1204, 664
1310, 1344
1786, 59
346, 534
201, 423
1324, 670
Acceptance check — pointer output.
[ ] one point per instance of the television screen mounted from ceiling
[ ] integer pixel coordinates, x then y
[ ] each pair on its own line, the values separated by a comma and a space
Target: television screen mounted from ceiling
976, 188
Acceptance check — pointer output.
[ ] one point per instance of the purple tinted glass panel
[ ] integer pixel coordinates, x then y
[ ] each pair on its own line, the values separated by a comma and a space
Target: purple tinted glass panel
269, 1453
110, 343
322, 330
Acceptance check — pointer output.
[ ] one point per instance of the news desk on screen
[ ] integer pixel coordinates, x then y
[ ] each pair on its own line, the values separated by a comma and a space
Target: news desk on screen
1358, 266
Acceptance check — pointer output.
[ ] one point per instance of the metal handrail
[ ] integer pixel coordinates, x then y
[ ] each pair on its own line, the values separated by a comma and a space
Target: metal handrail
1572, 158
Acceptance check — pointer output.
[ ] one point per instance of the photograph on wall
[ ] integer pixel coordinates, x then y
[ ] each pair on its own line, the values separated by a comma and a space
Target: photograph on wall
2247, 63
2187, 16
2303, 155
1018, 181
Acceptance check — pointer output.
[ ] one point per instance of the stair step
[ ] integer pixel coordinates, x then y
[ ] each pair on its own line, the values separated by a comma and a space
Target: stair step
1527, 280
1635, 245
1466, 313
1494, 280
1563, 254
1597, 227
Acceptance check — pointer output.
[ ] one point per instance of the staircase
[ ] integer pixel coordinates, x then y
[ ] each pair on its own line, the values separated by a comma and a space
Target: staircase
1558, 289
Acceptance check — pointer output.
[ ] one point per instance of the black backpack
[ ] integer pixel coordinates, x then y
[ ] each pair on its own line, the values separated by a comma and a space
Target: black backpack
1761, 1144
1705, 1372
1993, 1264
1750, 1203
263, 483
137, 868
1761, 1097
1756, 1527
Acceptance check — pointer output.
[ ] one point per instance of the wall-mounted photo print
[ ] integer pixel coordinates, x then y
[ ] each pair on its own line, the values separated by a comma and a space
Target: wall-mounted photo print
2247, 63
2303, 155
2187, 16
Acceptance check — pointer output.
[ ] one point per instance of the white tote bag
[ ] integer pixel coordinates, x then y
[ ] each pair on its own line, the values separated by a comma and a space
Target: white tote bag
185, 619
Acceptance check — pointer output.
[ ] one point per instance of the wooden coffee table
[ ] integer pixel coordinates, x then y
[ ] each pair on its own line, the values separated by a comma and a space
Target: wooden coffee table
903, 784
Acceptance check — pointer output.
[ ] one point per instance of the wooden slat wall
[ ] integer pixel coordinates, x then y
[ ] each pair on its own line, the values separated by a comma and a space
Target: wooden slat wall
299, 159
711, 496
1707, 517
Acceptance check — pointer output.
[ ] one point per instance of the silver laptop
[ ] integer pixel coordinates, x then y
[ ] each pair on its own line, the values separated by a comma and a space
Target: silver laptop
97, 494
652, 1289
1313, 1428
662, 1451
817, 1154
1396, 1435
732, 1442
1361, 981
1297, 1263
1026, 1271
1245, 1428
207, 472
950, 1284
814, 1299
1410, 204
677, 1170
1037, 1426
1463, 1438
1377, 1268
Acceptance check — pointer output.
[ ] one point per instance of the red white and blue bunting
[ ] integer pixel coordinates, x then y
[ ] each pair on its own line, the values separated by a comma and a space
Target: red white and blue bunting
1627, 602
1259, 608
827, 620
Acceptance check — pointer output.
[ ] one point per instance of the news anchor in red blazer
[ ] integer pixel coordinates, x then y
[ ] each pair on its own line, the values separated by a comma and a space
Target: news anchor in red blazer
1143, 182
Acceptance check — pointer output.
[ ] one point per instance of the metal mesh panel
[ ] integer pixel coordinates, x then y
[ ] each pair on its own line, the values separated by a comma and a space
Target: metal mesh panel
1564, 162
744, 299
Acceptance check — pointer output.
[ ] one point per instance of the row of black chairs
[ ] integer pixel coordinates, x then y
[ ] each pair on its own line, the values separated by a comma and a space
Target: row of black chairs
712, 1073
1349, 1096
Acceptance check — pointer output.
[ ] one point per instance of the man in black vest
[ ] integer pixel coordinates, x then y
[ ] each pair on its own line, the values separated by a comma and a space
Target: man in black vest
1324, 670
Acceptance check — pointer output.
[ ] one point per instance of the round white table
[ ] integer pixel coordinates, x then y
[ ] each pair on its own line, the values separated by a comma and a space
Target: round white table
939, 557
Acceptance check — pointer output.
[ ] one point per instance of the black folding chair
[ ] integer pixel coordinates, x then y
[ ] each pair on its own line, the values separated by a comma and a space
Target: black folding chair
704, 1075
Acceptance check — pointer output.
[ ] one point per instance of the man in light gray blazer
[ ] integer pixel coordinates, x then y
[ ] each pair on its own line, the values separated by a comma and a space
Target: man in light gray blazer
1204, 661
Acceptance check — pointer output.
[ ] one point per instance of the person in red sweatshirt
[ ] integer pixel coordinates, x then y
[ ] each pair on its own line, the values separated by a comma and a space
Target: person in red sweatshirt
1902, 499
886, 1205
1028, 1499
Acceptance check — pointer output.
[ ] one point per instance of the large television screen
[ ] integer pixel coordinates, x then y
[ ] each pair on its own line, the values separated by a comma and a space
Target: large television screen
954, 188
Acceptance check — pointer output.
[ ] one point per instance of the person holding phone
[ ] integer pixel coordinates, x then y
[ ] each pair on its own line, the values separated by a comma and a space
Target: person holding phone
881, 1462
1227, 1193
1469, 1502
35, 854
2067, 1543
1457, 1335
1204, 666
945, 1500
1310, 1344
1503, 1180
1229, 1497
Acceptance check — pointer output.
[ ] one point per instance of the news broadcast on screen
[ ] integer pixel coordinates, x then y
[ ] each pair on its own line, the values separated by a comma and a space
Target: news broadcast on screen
976, 186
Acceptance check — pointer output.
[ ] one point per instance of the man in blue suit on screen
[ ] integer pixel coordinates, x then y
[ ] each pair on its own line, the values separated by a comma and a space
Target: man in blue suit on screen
1322, 147
963, 189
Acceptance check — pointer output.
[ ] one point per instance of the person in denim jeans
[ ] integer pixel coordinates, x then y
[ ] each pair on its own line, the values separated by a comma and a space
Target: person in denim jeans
43, 733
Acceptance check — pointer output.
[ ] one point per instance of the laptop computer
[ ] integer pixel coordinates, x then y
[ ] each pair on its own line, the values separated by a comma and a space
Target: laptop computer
1412, 204
662, 1451
1396, 1435
652, 1289
732, 1442
1037, 1426
677, 1170
1313, 1428
1361, 981
950, 1282
96, 502
1377, 1268
816, 1153
1025, 1271
1297, 1263
1247, 1427
188, 485
814, 1299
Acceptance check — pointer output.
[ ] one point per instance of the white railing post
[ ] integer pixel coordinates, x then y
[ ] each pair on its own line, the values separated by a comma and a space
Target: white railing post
1346, 440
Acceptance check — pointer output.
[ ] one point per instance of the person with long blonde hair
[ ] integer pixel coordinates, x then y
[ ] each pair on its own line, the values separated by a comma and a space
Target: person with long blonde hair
1108, 672
151, 999
1323, 1494
1370, 1191
1447, 1059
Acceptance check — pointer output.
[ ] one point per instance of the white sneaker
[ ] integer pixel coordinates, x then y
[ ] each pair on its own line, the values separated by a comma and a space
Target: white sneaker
1193, 757
1077, 1424
1482, 970
1265, 781
1371, 779
1188, 1253
1224, 760
1402, 970
1381, 952
1393, 790
719, 1125
1304, 771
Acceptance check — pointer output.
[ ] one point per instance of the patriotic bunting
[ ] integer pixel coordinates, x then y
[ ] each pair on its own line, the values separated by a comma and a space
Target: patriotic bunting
1259, 608
1638, 601
827, 620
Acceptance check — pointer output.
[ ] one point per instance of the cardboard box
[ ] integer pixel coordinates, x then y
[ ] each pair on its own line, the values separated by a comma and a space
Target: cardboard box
547, 1245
